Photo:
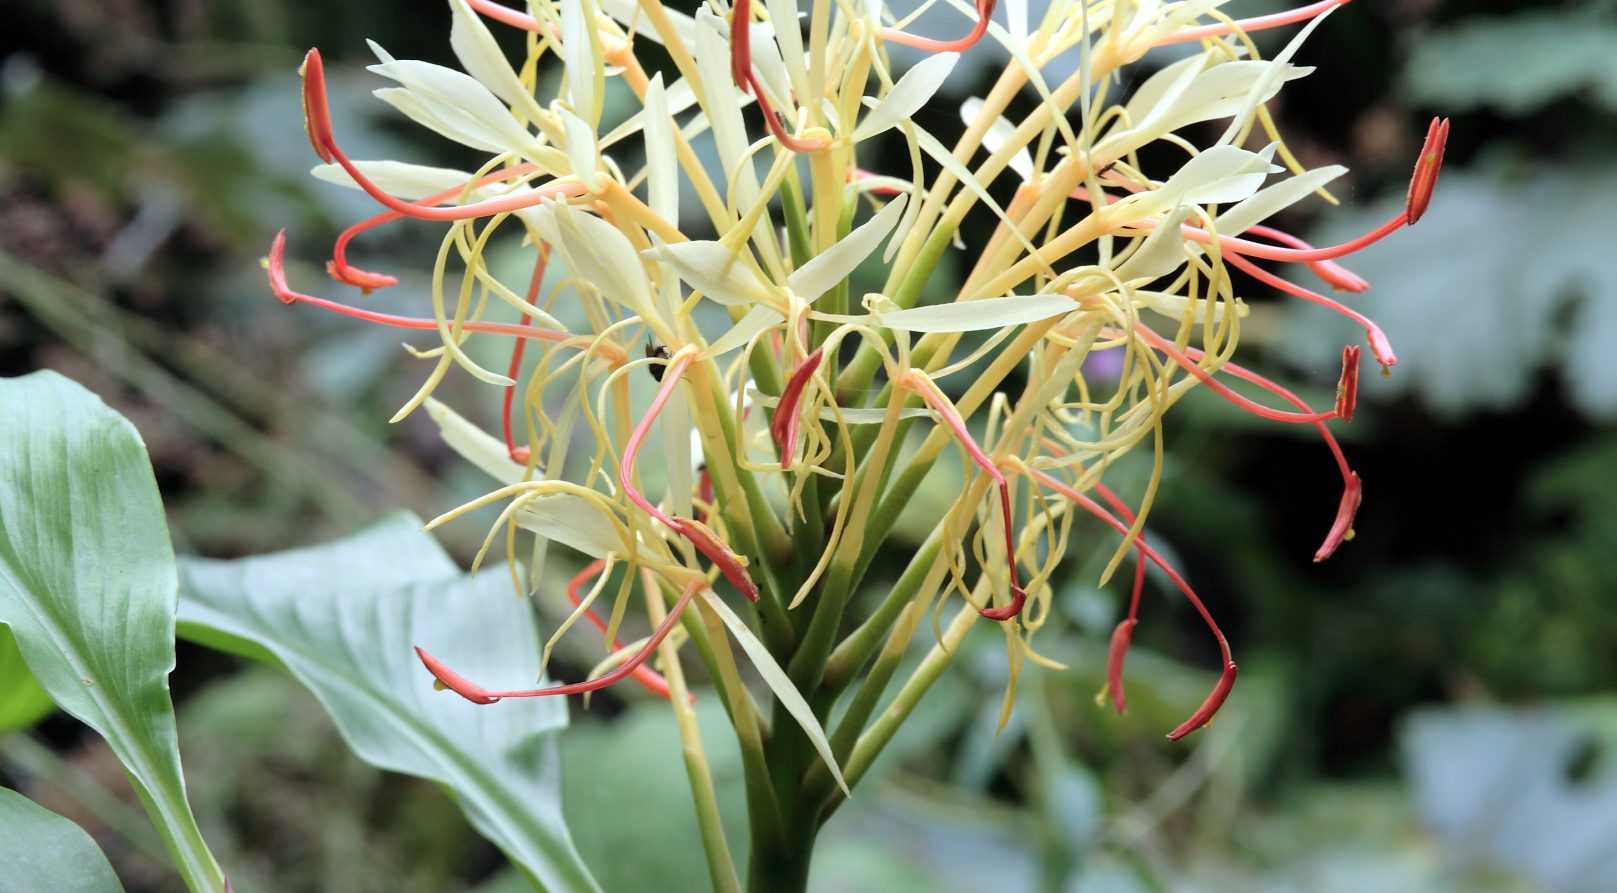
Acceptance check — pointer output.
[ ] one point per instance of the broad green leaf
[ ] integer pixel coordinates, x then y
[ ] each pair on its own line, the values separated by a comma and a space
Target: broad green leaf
42, 851
22, 701
971, 316
344, 617
87, 585
1551, 53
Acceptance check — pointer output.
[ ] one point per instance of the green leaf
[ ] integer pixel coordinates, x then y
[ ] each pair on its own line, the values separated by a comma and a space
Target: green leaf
1551, 54
87, 585
22, 701
43, 851
343, 618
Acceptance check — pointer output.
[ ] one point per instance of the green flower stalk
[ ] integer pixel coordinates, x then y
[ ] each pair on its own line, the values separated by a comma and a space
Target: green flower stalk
781, 397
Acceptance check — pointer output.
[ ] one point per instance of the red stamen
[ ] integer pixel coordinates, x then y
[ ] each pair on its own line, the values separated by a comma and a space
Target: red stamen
1427, 167
1222, 689
1342, 528
469, 690
508, 16
704, 491
1257, 23
985, 12
648, 678
1229, 244
275, 265
1347, 387
1215, 700
1186, 360
631, 450
741, 43
700, 536
339, 267
783, 427
1380, 345
709, 544
317, 114
1336, 275
940, 404
1121, 636
776, 128
1118, 650
521, 455
862, 174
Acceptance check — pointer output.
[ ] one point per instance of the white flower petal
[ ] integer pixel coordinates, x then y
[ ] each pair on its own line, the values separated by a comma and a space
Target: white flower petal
603, 256
999, 132
908, 95
1161, 252
581, 152
756, 320
1219, 175
971, 316
480, 55
474, 444
716, 270
829, 267
571, 520
1273, 199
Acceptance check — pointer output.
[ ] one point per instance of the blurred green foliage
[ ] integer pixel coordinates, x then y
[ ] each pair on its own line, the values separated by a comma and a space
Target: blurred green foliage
1451, 648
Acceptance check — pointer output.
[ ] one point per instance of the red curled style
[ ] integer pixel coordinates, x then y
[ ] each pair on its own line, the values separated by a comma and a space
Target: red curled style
783, 427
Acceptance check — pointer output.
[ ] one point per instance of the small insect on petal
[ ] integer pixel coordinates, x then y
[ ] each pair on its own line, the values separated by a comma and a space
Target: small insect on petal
1215, 700
1427, 167
1347, 387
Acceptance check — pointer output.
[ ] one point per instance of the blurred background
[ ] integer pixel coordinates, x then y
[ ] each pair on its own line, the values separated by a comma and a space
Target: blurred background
1430, 710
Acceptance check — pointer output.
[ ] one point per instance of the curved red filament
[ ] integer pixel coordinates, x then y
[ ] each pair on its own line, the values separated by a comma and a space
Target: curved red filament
783, 426
985, 13
648, 678
1221, 691
477, 694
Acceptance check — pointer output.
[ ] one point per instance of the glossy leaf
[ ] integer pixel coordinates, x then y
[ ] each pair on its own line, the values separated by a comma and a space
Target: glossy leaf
87, 586
40, 850
343, 618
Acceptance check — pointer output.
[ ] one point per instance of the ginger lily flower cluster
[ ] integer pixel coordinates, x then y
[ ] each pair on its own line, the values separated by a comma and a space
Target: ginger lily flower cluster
781, 399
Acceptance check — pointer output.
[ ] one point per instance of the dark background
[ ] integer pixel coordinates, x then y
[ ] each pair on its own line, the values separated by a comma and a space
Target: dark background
1430, 710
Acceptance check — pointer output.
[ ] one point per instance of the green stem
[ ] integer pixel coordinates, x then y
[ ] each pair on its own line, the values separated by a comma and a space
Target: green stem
721, 867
